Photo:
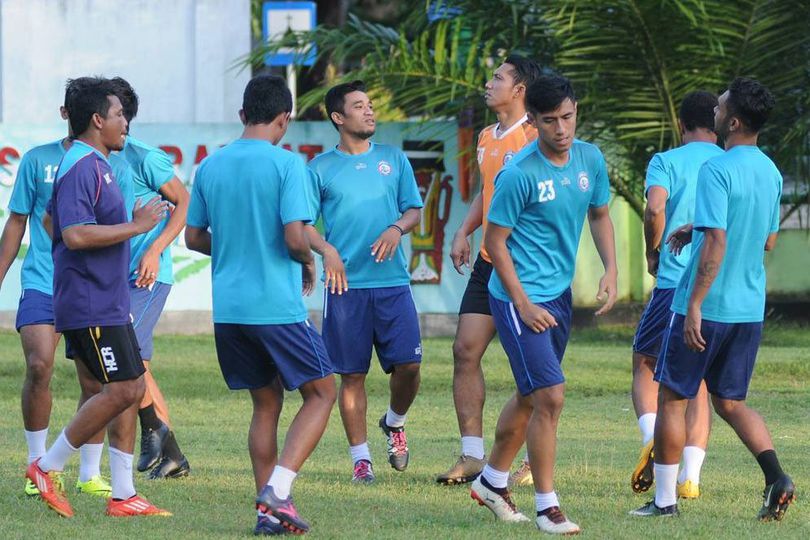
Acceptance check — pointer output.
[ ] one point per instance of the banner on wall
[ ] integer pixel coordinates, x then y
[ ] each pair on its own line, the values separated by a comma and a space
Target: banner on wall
432, 149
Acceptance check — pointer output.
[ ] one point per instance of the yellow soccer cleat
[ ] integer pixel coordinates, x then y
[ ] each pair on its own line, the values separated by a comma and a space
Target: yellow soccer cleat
688, 490
97, 486
643, 474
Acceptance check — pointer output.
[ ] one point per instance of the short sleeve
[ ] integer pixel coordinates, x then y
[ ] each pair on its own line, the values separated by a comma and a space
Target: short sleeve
711, 199
657, 175
295, 198
76, 197
511, 196
314, 187
126, 182
158, 169
777, 207
601, 183
197, 208
24, 195
408, 192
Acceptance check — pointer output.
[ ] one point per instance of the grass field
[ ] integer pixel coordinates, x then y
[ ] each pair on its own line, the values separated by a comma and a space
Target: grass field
598, 444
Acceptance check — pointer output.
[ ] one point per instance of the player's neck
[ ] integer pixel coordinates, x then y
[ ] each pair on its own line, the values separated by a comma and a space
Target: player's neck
265, 132
508, 118
67, 142
699, 135
556, 158
740, 139
91, 139
352, 145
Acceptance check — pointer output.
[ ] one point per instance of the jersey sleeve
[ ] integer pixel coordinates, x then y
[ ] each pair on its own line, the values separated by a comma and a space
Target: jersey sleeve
408, 193
775, 214
24, 195
511, 196
295, 198
315, 186
125, 179
601, 182
197, 208
657, 175
711, 199
157, 169
76, 197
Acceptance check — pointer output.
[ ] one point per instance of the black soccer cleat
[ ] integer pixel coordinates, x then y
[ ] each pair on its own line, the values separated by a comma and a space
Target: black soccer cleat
169, 468
152, 446
776, 498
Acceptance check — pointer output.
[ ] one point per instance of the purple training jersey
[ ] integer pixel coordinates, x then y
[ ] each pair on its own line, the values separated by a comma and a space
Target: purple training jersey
90, 285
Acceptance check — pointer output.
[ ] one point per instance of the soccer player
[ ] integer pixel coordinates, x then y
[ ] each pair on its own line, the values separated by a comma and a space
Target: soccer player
90, 301
29, 198
254, 197
718, 309
505, 95
368, 197
150, 281
671, 183
535, 219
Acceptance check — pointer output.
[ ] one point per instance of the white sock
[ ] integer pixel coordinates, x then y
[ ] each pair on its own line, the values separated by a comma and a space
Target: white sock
646, 424
692, 462
473, 447
37, 443
281, 481
666, 477
123, 486
90, 461
495, 478
545, 500
360, 451
393, 419
57, 455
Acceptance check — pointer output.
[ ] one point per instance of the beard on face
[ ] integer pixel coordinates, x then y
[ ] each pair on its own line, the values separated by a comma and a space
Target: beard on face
364, 134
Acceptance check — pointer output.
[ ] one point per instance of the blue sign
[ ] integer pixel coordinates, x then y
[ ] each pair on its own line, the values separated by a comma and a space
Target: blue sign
278, 18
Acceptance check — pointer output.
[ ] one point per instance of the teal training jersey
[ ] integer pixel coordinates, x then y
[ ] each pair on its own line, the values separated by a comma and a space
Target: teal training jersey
359, 196
738, 192
32, 192
246, 192
545, 206
676, 171
151, 169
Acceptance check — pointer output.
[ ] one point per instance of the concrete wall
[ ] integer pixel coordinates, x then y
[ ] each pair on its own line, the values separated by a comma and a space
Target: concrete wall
178, 54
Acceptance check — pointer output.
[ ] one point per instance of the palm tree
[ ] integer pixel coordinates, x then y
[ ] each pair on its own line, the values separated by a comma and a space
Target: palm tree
632, 62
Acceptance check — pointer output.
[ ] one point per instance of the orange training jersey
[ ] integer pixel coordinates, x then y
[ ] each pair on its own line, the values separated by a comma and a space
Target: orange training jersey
495, 152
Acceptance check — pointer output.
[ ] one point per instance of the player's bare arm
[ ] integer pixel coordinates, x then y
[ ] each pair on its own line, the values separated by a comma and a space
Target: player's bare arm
460, 250
13, 233
654, 224
387, 243
333, 268
535, 317
198, 240
602, 232
176, 193
711, 257
298, 244
679, 238
144, 218
770, 243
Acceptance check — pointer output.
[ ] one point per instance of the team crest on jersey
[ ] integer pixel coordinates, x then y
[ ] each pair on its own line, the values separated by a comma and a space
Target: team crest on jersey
384, 167
360, 166
481, 151
508, 157
583, 181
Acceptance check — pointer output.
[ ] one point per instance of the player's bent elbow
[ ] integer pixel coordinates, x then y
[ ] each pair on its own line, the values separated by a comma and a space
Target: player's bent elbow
72, 239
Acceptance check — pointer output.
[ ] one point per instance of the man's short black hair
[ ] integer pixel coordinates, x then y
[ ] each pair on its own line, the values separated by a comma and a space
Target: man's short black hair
128, 97
750, 101
336, 97
697, 110
548, 92
525, 71
84, 98
265, 97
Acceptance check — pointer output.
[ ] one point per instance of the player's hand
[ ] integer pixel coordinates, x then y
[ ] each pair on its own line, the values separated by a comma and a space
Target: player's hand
608, 292
537, 318
679, 238
460, 252
691, 330
308, 277
335, 272
150, 214
147, 269
386, 245
653, 258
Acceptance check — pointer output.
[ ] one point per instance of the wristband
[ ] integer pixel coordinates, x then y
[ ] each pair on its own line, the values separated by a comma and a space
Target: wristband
397, 227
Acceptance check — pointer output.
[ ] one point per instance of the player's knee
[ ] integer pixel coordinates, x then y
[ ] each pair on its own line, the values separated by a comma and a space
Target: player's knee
725, 407
548, 402
408, 371
321, 391
38, 369
126, 393
643, 363
465, 354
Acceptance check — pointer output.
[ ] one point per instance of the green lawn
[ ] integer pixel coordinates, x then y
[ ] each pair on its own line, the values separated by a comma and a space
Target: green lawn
598, 445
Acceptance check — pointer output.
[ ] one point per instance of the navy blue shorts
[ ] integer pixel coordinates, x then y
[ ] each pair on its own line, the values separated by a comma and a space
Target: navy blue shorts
35, 308
535, 358
146, 305
654, 322
252, 355
359, 319
726, 364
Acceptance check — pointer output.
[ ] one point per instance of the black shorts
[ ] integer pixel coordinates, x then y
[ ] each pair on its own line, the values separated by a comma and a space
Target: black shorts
111, 353
476, 295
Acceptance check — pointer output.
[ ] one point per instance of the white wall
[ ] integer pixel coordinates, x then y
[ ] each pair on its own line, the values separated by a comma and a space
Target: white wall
176, 53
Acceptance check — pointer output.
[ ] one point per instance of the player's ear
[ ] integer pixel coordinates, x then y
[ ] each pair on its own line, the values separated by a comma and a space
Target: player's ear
337, 118
97, 120
242, 117
63, 112
530, 120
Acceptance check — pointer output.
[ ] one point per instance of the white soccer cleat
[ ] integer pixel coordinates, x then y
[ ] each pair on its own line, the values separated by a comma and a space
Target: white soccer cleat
553, 521
501, 505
